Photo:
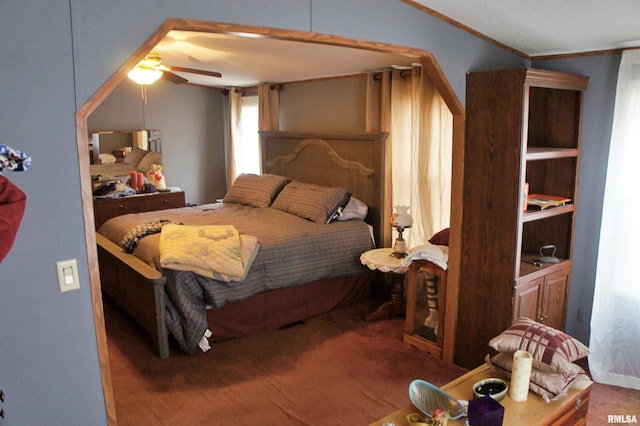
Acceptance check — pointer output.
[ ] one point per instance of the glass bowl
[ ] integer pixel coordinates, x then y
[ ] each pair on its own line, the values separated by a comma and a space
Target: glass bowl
494, 387
428, 398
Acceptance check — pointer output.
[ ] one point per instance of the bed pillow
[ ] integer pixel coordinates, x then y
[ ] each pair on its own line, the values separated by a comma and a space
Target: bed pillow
355, 209
150, 158
550, 386
134, 157
317, 203
551, 349
255, 190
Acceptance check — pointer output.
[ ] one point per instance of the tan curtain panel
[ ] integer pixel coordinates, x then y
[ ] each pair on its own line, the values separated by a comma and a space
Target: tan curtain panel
378, 119
269, 107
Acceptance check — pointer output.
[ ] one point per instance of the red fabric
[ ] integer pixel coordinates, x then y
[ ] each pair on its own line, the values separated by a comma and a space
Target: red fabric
12, 204
276, 308
441, 238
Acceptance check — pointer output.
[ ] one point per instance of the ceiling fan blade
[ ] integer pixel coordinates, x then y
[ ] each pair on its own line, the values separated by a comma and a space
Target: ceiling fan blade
194, 71
173, 78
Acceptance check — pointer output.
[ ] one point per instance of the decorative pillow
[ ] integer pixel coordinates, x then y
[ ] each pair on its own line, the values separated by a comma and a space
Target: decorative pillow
152, 157
550, 386
551, 349
134, 157
309, 201
255, 190
355, 209
441, 238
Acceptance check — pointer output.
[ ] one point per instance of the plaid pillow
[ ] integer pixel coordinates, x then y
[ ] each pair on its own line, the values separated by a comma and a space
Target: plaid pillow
134, 157
314, 202
255, 190
551, 349
550, 386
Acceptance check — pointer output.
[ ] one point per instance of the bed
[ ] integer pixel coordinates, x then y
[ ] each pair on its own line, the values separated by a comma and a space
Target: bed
301, 267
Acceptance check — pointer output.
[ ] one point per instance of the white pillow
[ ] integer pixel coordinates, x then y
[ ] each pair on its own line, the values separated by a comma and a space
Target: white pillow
106, 159
355, 209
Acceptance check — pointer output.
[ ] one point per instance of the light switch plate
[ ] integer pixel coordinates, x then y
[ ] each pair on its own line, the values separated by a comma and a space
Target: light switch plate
68, 275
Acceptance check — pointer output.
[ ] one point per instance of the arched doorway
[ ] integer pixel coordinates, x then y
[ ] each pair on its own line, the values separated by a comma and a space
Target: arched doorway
429, 64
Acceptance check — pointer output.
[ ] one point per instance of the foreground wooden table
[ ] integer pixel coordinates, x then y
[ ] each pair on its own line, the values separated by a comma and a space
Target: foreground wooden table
570, 410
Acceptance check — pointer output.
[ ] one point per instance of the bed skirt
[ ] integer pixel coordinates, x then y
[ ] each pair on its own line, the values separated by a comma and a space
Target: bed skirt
277, 308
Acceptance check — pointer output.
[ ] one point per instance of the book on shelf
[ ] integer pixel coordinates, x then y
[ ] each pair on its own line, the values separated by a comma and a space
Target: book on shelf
544, 201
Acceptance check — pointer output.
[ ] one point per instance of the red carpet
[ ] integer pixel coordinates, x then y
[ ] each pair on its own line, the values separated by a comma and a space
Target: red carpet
334, 369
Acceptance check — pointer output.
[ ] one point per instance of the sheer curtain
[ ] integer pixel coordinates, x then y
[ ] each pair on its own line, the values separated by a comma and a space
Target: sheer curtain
615, 320
234, 133
421, 144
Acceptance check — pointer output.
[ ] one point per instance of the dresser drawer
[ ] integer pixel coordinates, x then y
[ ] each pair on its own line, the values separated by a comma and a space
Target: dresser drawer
104, 210
164, 200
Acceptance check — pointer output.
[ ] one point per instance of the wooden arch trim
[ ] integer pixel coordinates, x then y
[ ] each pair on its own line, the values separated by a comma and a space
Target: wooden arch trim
424, 57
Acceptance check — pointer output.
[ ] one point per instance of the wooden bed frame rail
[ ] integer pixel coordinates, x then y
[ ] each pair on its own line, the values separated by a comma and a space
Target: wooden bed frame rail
131, 283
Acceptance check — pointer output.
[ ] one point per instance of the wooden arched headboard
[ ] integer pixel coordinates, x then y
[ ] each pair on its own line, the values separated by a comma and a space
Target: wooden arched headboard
355, 161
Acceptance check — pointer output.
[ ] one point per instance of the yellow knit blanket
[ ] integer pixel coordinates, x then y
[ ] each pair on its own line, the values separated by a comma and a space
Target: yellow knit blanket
214, 251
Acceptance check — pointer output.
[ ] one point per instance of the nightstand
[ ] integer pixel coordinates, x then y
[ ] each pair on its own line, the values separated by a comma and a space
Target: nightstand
382, 260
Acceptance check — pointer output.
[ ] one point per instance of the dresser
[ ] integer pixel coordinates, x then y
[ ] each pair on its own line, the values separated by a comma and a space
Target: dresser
105, 209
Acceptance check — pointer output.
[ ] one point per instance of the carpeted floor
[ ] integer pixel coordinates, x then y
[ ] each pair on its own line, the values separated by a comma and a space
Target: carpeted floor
334, 369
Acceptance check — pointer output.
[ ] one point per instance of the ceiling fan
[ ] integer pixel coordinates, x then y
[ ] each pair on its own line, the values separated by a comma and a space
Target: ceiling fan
150, 69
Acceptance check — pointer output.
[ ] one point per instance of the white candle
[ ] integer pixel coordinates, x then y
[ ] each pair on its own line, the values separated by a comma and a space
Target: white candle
520, 376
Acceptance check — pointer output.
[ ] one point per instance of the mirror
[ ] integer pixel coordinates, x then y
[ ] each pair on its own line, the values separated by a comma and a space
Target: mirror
112, 141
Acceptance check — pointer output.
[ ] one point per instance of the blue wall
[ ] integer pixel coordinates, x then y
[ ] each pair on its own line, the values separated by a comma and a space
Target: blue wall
55, 55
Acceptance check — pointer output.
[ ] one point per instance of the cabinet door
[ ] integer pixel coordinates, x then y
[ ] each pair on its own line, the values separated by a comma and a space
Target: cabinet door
554, 299
526, 300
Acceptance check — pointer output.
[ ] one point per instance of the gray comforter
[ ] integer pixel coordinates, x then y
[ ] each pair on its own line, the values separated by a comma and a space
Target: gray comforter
293, 251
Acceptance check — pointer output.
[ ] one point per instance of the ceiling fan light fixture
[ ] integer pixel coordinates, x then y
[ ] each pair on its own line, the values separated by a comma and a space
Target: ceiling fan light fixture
147, 71
144, 75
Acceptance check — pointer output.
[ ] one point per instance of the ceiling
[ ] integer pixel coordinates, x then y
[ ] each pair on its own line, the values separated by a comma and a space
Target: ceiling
548, 27
244, 61
540, 28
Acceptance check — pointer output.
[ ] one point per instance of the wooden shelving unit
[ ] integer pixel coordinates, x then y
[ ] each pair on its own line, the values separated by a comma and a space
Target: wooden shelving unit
522, 126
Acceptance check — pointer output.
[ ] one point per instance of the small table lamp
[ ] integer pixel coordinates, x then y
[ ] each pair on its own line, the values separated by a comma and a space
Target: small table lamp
401, 220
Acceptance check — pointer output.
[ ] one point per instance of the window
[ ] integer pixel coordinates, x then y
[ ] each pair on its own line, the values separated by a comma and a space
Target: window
247, 153
615, 320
